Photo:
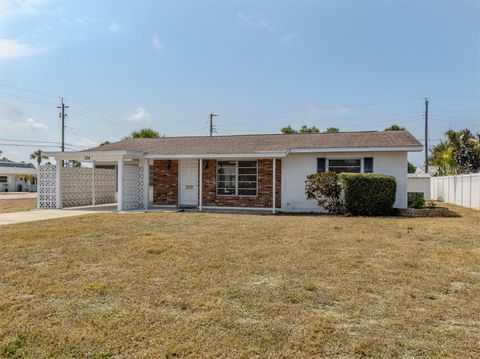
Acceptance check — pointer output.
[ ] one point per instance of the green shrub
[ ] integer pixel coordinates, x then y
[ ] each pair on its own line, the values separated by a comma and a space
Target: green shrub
325, 189
367, 194
418, 202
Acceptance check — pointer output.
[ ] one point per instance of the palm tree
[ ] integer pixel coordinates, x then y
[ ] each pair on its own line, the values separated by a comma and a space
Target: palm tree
395, 127
39, 156
145, 133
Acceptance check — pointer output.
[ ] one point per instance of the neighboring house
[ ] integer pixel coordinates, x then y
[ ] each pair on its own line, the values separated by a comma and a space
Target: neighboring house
245, 171
17, 177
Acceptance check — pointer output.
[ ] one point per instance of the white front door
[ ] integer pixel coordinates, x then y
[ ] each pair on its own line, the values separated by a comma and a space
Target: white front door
189, 182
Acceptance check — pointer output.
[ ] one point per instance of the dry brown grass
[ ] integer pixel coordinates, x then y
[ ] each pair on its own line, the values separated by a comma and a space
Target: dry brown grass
17, 205
168, 285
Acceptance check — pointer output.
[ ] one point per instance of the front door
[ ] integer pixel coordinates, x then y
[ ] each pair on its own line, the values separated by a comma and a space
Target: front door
188, 183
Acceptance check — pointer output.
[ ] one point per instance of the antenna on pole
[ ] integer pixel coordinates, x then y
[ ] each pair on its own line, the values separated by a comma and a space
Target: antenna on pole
426, 135
211, 123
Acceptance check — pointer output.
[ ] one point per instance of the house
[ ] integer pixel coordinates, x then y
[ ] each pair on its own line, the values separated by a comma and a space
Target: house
258, 172
17, 177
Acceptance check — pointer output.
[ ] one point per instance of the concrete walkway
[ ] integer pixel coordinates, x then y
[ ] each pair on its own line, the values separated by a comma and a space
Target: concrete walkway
18, 196
44, 214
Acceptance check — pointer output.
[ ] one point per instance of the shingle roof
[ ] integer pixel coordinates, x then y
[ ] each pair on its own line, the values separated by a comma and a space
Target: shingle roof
239, 144
16, 164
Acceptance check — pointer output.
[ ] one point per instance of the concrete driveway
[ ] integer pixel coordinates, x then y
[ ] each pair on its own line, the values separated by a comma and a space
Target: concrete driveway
18, 196
45, 214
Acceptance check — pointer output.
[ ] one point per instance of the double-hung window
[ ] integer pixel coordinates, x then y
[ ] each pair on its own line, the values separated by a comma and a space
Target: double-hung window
237, 178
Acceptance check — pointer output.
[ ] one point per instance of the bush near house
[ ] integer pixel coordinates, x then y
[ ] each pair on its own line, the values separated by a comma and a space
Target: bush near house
367, 194
325, 188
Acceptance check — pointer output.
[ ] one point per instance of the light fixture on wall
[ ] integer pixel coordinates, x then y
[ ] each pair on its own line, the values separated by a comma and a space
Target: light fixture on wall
169, 164
205, 165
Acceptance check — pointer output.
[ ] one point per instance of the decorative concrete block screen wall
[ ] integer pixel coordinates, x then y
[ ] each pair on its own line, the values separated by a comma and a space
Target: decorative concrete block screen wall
46, 186
104, 185
133, 186
76, 184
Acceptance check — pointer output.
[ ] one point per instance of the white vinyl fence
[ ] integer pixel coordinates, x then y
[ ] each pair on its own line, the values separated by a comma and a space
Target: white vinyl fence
419, 185
462, 190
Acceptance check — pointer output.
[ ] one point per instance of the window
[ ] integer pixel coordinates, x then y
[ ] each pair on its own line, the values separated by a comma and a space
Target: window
345, 165
368, 165
3, 179
237, 178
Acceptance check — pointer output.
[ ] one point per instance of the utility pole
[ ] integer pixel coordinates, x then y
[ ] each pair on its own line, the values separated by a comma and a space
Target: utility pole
211, 123
426, 135
62, 115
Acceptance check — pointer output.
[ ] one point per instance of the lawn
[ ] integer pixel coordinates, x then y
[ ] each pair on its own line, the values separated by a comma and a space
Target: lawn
16, 205
198, 285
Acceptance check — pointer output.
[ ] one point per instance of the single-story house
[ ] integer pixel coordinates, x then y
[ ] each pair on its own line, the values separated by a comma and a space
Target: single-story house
262, 172
17, 176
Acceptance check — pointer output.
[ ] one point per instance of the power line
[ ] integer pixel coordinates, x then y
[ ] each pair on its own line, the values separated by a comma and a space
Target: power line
27, 90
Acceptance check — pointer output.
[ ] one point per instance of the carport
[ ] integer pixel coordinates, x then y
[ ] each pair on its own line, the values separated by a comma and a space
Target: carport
111, 177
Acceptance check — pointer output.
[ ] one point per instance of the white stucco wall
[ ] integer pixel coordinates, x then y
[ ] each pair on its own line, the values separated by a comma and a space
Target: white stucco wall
296, 167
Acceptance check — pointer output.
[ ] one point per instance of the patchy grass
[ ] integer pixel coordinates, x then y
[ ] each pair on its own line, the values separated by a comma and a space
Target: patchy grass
17, 205
186, 285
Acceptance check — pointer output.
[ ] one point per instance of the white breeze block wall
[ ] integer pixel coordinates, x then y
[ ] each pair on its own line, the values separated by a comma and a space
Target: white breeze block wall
46, 187
296, 167
76, 186
133, 187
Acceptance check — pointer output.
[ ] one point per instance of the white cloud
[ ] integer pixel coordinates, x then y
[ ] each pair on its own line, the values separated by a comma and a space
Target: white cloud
157, 44
289, 37
140, 116
29, 124
85, 142
12, 49
255, 20
114, 27
15, 9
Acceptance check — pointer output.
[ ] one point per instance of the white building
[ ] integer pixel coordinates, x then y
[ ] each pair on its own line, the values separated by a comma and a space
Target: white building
261, 172
17, 177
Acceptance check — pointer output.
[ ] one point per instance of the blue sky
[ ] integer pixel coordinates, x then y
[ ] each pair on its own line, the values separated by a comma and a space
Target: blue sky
260, 65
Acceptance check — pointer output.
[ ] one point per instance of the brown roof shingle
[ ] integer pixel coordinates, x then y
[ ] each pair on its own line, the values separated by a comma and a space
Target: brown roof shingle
263, 143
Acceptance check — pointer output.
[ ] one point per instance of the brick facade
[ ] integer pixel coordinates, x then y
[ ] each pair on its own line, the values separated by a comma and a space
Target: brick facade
165, 185
165, 182
264, 190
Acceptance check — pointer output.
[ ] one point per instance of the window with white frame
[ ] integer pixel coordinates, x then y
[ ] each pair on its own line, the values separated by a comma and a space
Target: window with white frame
352, 165
237, 178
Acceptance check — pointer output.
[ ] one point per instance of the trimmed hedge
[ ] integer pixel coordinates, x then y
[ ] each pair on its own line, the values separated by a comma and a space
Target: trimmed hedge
368, 194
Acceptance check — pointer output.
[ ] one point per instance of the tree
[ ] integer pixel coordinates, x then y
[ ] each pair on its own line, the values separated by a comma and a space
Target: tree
74, 163
458, 154
105, 143
304, 129
395, 127
38, 156
411, 167
332, 130
145, 133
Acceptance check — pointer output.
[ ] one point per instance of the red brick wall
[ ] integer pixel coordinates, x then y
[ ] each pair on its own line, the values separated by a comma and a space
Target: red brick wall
165, 182
264, 191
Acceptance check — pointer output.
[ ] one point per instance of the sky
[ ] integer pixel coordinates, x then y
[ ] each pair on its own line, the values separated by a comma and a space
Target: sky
260, 65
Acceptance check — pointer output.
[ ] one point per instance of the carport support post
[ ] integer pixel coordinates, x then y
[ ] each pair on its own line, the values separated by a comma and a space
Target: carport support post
146, 182
273, 185
93, 183
120, 167
200, 187
58, 184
